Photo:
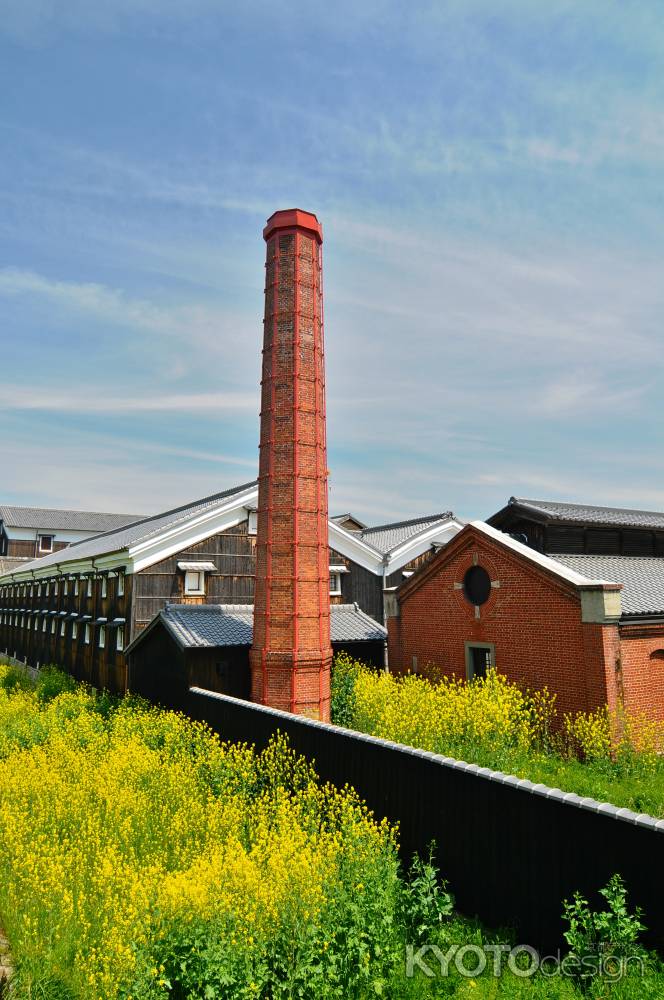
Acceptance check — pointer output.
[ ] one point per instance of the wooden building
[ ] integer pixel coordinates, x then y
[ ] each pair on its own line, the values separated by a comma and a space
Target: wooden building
81, 606
554, 528
30, 532
208, 646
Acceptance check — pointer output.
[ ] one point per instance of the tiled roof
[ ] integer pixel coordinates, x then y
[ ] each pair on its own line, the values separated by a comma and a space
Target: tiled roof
233, 624
386, 537
642, 578
579, 513
131, 534
47, 519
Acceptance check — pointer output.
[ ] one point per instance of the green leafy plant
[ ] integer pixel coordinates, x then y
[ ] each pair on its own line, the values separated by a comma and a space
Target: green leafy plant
606, 936
345, 672
51, 681
426, 900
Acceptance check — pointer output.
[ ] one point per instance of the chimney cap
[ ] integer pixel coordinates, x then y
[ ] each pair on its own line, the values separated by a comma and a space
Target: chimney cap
293, 218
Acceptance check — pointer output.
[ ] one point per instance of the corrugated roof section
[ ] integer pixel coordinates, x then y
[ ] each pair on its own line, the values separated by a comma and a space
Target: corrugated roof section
386, 537
642, 578
579, 513
206, 625
49, 519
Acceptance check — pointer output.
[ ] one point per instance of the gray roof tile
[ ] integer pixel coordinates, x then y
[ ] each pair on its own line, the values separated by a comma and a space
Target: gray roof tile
642, 578
48, 519
233, 624
579, 513
386, 537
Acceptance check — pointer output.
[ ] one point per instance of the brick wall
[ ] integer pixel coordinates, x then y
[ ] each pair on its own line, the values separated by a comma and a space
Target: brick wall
531, 616
643, 674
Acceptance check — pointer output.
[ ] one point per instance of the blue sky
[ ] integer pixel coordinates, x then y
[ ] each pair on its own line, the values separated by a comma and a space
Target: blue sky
489, 179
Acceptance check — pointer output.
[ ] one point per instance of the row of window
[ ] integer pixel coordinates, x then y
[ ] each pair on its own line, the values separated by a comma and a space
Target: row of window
23, 621
47, 587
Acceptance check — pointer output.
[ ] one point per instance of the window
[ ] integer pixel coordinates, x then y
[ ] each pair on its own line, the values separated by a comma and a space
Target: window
39, 590
194, 582
104, 586
53, 623
76, 587
87, 634
119, 641
36, 624
120, 584
477, 585
74, 630
252, 522
44, 625
65, 588
480, 657
89, 586
46, 543
62, 627
335, 584
102, 637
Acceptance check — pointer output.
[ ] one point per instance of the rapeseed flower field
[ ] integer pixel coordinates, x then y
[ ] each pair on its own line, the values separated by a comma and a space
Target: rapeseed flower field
610, 756
143, 859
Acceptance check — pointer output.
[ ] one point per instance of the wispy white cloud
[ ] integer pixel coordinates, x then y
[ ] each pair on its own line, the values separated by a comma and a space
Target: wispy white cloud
89, 400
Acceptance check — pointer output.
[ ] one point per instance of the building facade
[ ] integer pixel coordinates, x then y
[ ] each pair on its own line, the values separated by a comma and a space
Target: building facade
103, 591
588, 627
30, 532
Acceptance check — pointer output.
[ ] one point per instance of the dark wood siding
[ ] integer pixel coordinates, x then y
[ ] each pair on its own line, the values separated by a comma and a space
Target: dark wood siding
234, 554
359, 586
49, 603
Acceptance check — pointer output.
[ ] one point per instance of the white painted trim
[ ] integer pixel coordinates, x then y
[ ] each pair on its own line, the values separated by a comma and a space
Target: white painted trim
570, 575
354, 548
442, 533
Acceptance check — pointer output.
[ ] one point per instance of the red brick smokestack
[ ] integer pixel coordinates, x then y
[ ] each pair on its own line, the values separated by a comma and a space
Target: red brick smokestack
291, 653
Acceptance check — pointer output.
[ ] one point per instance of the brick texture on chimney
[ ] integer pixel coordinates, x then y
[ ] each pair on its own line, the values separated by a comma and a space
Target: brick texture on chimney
291, 653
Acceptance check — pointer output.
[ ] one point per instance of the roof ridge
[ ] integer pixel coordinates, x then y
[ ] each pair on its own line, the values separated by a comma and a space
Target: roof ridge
165, 513
414, 520
588, 506
68, 510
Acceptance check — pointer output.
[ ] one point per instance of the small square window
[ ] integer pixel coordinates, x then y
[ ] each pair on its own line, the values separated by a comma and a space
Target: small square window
194, 582
335, 584
46, 543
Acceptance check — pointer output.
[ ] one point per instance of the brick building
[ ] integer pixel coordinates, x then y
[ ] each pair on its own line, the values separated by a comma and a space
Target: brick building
589, 627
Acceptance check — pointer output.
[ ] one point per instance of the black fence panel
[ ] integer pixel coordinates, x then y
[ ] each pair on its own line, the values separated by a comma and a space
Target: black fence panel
511, 850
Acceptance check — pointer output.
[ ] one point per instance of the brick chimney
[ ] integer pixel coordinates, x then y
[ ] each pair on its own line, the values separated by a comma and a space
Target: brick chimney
291, 653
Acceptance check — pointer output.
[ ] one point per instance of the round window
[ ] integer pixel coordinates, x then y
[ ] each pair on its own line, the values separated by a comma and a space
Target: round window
477, 585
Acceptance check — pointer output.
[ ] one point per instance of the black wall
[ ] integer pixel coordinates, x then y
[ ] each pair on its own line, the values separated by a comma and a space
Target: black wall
511, 851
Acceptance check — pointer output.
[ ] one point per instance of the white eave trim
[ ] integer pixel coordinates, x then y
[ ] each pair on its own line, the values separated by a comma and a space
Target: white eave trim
354, 548
570, 575
442, 532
